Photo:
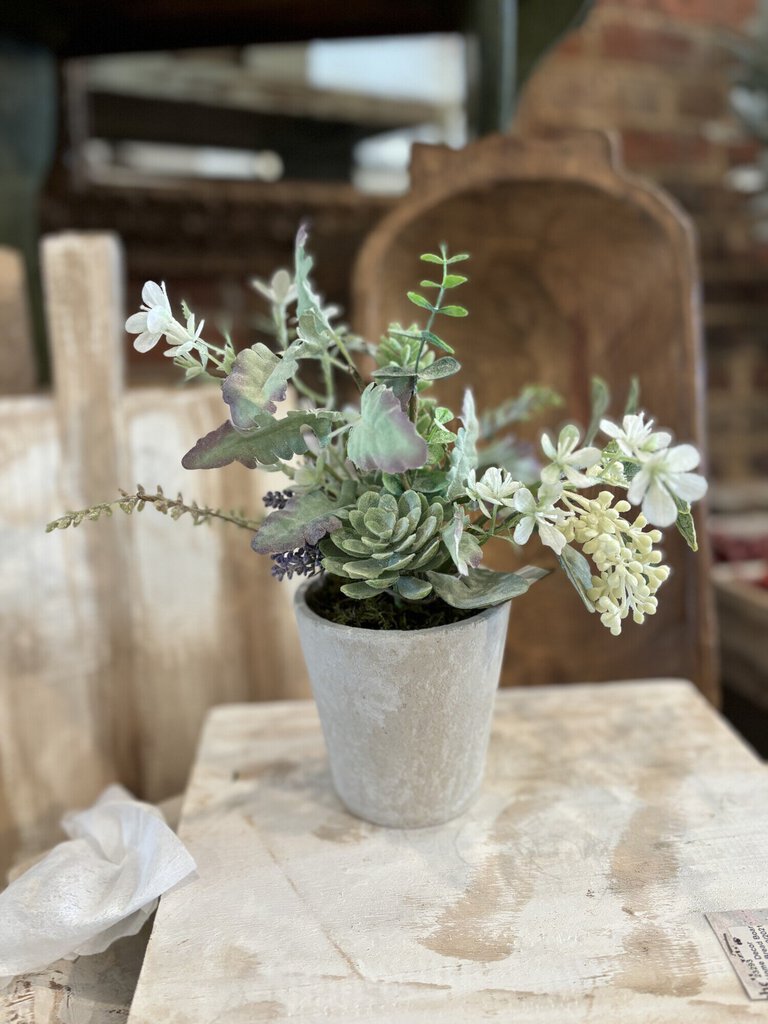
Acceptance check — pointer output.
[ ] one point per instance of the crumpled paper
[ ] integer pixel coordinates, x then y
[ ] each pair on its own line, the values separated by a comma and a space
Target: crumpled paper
100, 885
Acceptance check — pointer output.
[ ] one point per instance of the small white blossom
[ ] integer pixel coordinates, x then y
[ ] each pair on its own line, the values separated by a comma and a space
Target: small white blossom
280, 290
154, 319
566, 459
190, 342
664, 476
495, 487
542, 514
635, 437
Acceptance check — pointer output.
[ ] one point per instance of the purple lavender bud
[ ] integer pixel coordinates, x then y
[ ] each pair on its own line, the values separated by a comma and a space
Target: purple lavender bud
303, 561
277, 499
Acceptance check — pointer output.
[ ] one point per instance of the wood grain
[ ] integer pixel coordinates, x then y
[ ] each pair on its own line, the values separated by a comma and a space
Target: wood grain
18, 373
577, 268
116, 637
611, 819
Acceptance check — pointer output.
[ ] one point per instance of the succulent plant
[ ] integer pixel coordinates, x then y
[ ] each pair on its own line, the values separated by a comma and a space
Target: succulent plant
383, 541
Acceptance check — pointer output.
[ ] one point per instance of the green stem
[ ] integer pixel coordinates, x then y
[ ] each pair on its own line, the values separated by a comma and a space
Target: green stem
352, 368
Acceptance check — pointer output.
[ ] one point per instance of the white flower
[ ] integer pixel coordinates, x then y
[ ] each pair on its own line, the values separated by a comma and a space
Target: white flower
495, 487
189, 342
567, 459
664, 476
154, 319
542, 514
281, 290
635, 437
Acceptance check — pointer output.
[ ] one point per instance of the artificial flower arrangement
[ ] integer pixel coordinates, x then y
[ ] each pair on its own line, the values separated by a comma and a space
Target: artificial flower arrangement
393, 500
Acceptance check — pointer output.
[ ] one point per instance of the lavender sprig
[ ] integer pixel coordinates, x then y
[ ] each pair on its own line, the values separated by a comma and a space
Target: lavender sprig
303, 561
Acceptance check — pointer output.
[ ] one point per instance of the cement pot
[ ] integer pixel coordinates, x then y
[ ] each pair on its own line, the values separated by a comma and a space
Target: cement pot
406, 715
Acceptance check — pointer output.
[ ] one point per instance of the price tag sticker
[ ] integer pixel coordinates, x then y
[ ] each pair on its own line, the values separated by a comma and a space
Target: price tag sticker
743, 934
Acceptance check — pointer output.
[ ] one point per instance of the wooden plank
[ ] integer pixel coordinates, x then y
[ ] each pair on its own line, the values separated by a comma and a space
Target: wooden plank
18, 373
611, 819
90, 990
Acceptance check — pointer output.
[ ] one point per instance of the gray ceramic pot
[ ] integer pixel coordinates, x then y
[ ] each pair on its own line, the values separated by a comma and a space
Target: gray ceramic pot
406, 715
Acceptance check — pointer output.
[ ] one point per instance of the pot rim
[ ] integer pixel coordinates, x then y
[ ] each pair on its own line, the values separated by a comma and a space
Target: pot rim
302, 608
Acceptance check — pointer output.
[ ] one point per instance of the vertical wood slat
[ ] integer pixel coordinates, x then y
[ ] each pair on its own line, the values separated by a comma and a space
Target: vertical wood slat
18, 374
83, 276
116, 637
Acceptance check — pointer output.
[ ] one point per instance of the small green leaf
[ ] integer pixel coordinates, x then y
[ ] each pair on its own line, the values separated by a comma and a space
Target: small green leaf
445, 367
419, 300
685, 523
482, 588
457, 259
428, 284
429, 257
601, 398
453, 311
412, 588
453, 280
578, 571
433, 339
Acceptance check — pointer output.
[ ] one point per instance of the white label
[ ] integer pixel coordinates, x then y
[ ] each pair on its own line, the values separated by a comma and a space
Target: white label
743, 934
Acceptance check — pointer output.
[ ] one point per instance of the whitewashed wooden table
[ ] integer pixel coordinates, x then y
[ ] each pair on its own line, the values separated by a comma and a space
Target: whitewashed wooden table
612, 818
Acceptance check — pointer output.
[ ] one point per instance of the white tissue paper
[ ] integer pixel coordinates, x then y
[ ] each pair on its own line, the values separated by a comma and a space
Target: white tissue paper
101, 884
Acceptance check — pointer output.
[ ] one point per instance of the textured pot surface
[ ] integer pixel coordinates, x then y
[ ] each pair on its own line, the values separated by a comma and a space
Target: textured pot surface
406, 715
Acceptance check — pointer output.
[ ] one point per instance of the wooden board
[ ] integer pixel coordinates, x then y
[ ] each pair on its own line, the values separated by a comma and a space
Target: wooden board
116, 637
611, 819
577, 268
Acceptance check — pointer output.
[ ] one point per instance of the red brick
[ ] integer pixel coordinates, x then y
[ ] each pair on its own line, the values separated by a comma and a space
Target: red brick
624, 40
731, 13
745, 152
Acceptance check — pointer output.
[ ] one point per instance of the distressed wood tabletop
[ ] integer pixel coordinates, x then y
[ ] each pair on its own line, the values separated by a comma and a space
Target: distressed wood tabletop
611, 819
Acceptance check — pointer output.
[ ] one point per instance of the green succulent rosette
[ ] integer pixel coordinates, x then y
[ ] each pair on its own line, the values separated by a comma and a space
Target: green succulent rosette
384, 542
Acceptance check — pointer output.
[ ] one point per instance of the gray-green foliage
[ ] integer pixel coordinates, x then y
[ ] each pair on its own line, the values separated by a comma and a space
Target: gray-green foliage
400, 494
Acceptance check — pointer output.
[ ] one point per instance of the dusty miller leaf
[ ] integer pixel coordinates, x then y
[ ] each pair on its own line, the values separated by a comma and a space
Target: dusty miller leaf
257, 381
482, 588
270, 441
384, 438
304, 520
462, 547
314, 327
464, 455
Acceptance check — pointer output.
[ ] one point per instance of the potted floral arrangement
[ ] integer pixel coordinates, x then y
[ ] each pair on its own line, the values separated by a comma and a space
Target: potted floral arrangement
388, 505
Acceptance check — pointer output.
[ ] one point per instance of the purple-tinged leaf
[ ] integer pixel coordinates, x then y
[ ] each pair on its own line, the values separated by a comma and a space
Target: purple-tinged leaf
304, 520
384, 438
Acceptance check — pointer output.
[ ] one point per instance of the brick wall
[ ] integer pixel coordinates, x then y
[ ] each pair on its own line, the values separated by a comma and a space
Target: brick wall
657, 71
